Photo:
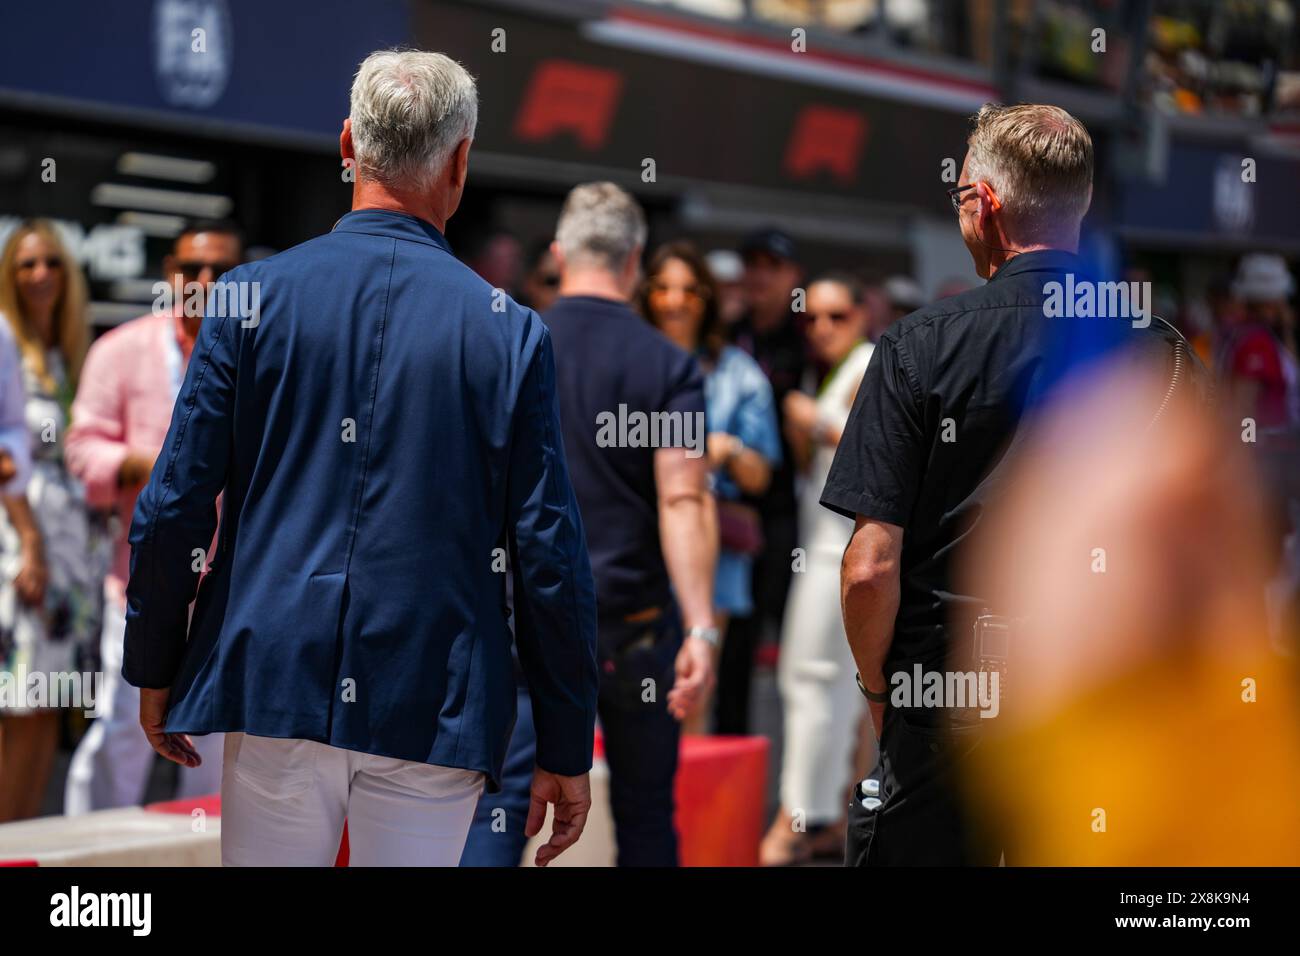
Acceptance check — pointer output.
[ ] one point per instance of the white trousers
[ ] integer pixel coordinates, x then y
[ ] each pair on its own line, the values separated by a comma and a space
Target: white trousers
820, 698
111, 765
283, 803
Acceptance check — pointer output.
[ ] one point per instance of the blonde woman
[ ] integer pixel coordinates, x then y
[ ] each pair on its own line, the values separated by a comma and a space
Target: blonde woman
49, 594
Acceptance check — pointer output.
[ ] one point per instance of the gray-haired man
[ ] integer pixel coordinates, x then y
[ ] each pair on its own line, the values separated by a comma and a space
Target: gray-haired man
380, 431
632, 415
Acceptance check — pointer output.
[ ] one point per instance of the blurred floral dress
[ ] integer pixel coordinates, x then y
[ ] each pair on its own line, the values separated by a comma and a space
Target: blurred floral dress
62, 635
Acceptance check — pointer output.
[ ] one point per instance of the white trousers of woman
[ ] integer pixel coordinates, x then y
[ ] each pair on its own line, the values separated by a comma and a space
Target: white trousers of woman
819, 695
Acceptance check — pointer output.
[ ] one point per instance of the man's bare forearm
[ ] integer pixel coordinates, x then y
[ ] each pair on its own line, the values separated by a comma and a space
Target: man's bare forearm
688, 531
869, 596
869, 614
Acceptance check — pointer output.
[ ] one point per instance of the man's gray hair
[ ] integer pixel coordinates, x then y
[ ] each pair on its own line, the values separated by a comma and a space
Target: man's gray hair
410, 109
600, 224
1038, 159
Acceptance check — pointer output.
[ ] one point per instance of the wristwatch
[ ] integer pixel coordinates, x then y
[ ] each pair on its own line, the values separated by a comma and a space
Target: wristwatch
709, 634
876, 697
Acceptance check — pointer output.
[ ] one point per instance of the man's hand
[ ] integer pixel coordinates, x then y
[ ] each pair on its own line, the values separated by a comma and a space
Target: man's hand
572, 799
134, 470
696, 675
7, 467
178, 748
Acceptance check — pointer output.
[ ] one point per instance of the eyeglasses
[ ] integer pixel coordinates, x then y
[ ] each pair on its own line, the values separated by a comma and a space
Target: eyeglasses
836, 317
954, 196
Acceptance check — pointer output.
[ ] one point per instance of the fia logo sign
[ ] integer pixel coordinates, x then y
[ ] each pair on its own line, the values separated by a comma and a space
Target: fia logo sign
1234, 196
193, 49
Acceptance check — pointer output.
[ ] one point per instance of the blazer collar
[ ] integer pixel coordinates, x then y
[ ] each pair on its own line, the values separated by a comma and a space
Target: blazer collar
396, 225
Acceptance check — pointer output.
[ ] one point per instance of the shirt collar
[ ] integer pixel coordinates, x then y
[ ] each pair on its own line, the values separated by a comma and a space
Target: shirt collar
1044, 260
395, 225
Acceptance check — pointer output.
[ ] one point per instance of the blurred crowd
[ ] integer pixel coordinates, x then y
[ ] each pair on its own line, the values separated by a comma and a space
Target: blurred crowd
782, 350
1198, 57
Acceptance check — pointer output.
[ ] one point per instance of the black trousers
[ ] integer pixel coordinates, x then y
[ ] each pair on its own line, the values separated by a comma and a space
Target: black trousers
921, 819
641, 737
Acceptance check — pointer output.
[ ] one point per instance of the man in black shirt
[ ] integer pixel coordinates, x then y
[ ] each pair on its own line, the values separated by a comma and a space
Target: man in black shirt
920, 461
633, 430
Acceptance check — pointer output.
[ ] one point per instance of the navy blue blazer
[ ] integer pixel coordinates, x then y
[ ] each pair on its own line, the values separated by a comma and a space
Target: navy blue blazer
382, 428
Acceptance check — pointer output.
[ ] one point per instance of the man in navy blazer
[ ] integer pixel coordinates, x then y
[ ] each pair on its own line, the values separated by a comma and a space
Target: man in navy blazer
382, 427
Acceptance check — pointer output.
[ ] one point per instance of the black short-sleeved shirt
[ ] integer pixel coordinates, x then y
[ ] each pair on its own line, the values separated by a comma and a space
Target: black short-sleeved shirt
962, 369
607, 356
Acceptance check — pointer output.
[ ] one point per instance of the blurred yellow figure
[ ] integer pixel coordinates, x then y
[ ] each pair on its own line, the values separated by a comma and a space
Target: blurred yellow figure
1145, 719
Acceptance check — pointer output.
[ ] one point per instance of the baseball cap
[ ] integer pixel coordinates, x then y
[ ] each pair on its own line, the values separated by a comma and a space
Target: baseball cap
774, 242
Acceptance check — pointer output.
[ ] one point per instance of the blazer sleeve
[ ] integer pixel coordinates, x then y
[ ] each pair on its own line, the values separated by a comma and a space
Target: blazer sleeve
554, 593
176, 513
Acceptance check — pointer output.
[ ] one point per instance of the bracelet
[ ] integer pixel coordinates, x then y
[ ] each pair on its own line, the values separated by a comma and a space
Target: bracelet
876, 697
707, 634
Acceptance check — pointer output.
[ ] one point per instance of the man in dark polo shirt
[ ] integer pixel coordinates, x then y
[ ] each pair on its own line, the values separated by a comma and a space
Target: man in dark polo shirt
923, 455
632, 418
